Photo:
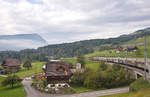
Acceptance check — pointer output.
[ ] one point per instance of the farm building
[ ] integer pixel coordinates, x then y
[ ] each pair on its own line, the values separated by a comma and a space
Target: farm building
10, 65
58, 72
119, 49
132, 49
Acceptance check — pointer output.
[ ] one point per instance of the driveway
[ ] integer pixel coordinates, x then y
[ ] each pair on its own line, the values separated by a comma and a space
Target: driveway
31, 92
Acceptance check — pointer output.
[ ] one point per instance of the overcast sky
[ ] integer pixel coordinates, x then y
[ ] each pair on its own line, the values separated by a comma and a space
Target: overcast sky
60, 21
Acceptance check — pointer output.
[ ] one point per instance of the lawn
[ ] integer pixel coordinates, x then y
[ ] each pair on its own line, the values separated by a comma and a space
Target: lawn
141, 93
36, 68
90, 64
17, 91
81, 89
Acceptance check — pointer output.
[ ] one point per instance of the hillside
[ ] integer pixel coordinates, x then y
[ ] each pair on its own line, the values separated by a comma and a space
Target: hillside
72, 49
123, 54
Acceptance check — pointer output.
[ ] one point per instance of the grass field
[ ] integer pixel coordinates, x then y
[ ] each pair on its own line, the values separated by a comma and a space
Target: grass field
36, 68
141, 93
81, 89
90, 64
17, 91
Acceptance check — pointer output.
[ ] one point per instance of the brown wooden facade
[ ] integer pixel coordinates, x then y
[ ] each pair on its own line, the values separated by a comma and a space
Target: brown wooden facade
58, 72
11, 65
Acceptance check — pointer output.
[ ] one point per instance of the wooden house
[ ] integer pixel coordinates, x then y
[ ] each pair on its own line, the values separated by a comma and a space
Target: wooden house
11, 65
119, 50
58, 72
131, 49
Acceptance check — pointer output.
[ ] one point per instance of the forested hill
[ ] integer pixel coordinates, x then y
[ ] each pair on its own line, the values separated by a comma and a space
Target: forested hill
72, 49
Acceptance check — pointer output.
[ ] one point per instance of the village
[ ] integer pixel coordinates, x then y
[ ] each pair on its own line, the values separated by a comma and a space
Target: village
74, 48
58, 76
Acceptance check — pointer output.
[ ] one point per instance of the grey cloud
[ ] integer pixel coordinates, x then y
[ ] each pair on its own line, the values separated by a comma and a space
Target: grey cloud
70, 20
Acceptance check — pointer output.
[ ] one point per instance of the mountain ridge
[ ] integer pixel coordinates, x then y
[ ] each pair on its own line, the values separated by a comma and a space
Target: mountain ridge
21, 41
72, 49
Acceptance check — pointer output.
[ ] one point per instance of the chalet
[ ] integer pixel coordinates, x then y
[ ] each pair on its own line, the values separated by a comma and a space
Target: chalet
119, 49
10, 65
131, 49
58, 72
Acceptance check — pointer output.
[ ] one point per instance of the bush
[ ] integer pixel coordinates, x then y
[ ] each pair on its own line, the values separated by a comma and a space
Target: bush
11, 80
79, 77
105, 77
102, 66
139, 84
92, 81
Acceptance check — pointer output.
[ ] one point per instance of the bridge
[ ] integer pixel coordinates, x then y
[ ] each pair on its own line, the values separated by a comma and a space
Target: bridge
137, 65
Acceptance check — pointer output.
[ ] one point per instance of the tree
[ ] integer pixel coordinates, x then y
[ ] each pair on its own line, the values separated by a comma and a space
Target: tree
102, 66
27, 64
81, 60
92, 80
116, 67
11, 80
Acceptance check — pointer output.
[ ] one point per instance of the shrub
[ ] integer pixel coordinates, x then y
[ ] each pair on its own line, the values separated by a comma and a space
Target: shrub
11, 80
102, 66
92, 81
139, 84
79, 77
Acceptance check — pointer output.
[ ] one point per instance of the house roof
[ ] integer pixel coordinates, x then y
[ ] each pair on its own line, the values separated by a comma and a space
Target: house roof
58, 69
131, 48
11, 62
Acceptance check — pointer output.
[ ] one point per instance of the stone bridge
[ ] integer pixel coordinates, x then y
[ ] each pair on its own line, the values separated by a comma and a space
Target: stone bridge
136, 65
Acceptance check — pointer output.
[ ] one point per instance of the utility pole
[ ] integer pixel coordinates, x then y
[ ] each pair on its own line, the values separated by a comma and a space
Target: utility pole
145, 56
126, 54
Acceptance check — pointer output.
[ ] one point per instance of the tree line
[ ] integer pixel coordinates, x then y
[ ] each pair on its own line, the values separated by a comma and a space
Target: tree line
71, 49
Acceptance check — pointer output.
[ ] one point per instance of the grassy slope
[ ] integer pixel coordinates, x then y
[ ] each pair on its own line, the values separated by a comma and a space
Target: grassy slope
141, 93
123, 54
36, 68
90, 64
18, 91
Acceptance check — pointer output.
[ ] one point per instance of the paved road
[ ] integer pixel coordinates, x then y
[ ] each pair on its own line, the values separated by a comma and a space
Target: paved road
31, 92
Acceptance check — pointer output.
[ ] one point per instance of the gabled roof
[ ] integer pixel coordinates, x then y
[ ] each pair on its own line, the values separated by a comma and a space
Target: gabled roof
58, 69
11, 62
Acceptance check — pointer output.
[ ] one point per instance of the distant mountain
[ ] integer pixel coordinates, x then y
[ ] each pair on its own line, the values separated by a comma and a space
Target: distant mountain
21, 41
72, 49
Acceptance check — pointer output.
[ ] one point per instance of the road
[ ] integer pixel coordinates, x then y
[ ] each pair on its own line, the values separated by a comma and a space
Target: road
31, 92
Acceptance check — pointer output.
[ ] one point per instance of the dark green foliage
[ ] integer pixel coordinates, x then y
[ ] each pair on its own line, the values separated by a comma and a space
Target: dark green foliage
139, 84
107, 77
107, 47
92, 81
44, 83
116, 67
79, 77
27, 64
11, 80
81, 60
102, 66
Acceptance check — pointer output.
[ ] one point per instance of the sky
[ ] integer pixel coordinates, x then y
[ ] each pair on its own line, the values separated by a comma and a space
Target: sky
59, 21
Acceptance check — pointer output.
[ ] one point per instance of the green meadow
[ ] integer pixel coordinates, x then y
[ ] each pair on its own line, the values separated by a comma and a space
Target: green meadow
17, 91
89, 64
36, 68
